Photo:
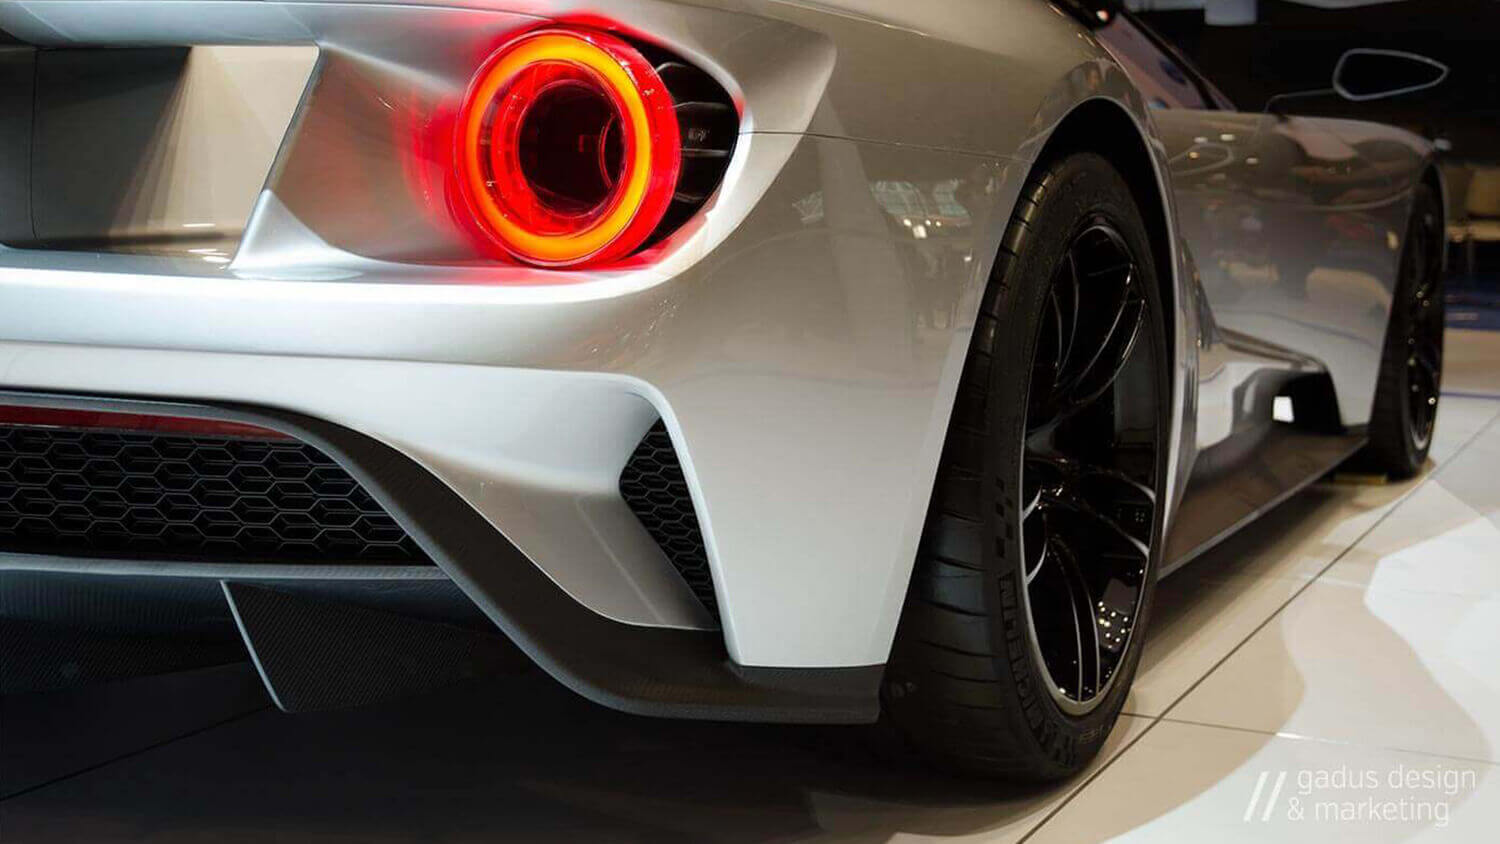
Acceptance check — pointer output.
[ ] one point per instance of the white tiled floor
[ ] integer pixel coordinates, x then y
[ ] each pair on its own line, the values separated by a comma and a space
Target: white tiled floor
1208, 608
1354, 633
1193, 783
1351, 636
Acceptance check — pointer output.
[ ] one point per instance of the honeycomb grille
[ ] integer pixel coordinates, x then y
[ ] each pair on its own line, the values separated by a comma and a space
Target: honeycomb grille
93, 492
657, 492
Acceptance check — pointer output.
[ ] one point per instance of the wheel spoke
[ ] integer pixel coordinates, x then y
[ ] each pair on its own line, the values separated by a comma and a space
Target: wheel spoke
1124, 542
1035, 568
1085, 626
1070, 326
1106, 328
1103, 494
1032, 502
1094, 344
1111, 360
1056, 467
1078, 634
1034, 546
1084, 565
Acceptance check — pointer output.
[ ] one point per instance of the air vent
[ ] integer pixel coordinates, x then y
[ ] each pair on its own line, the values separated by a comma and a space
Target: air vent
708, 124
142, 495
656, 491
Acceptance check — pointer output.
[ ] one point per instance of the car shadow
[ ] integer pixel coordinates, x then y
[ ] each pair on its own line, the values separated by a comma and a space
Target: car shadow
515, 758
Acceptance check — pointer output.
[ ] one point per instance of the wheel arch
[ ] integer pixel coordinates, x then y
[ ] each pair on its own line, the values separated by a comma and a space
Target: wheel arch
1120, 131
1103, 126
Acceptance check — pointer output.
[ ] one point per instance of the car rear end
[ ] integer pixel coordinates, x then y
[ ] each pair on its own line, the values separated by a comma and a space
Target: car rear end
310, 339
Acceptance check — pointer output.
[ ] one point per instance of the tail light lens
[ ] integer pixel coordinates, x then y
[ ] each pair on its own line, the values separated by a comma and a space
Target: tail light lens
568, 148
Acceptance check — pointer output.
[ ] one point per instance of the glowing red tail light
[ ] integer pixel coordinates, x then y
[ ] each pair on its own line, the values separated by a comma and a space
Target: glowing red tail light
567, 148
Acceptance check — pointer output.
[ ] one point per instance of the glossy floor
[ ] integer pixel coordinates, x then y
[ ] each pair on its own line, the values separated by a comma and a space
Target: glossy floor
1331, 674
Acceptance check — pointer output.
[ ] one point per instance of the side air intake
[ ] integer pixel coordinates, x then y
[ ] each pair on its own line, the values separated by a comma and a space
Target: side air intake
656, 491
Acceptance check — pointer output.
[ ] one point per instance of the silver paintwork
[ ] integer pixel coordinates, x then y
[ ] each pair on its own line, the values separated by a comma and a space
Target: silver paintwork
164, 171
802, 341
1296, 235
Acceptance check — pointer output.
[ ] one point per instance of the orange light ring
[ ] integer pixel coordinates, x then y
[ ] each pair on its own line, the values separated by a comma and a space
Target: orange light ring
651, 148
502, 167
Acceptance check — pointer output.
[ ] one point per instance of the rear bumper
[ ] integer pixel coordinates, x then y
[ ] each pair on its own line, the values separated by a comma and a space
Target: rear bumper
805, 368
644, 670
801, 341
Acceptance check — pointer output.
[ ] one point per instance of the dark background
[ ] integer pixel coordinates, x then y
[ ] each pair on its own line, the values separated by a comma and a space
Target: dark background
1294, 47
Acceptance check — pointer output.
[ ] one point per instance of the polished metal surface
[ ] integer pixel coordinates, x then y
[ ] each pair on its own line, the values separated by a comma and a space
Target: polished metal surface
802, 339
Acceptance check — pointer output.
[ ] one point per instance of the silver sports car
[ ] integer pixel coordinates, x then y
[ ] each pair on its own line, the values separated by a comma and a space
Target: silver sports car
849, 361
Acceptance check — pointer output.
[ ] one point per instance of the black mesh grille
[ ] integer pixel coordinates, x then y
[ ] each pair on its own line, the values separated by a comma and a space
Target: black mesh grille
91, 492
655, 489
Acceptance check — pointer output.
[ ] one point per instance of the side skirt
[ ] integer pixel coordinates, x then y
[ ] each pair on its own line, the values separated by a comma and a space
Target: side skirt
1219, 502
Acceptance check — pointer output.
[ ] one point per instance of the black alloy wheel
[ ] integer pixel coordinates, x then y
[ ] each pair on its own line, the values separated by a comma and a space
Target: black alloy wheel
1088, 479
1410, 381
1422, 264
1033, 579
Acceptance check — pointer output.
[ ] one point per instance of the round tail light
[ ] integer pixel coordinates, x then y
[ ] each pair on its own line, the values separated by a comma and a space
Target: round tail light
568, 148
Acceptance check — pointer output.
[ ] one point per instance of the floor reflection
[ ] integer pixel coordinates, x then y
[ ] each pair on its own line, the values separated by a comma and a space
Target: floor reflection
518, 758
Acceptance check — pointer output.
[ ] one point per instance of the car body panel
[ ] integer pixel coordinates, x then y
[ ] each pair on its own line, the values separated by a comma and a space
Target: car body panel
803, 339
1296, 237
778, 340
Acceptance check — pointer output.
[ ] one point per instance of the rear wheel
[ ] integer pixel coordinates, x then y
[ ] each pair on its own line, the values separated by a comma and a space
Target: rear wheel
1021, 630
1411, 367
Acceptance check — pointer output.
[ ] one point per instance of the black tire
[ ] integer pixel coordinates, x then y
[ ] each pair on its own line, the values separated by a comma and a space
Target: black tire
966, 685
1411, 365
